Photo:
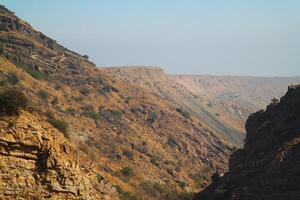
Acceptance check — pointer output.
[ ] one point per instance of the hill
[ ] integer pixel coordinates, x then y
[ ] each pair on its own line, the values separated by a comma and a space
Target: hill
105, 138
222, 102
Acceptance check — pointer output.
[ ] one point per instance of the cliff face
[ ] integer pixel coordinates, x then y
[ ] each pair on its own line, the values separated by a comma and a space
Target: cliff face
139, 74
37, 162
268, 167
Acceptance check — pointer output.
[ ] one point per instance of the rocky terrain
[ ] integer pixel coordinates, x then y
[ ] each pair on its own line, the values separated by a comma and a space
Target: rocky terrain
86, 134
238, 95
223, 102
268, 166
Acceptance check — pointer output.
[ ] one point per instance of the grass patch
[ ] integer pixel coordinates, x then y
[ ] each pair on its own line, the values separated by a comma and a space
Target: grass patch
12, 101
44, 95
60, 125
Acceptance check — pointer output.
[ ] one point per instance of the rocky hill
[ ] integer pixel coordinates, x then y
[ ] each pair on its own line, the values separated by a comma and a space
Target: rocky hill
89, 135
268, 166
248, 94
223, 102
156, 81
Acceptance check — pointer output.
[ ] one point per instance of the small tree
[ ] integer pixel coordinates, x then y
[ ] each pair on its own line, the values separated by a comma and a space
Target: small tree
44, 95
127, 172
12, 101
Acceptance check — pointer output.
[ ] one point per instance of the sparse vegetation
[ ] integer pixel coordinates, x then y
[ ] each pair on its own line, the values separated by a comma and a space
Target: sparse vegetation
2, 83
99, 178
61, 125
12, 101
85, 91
152, 190
127, 172
54, 101
128, 99
44, 95
107, 89
183, 184
36, 74
172, 142
152, 117
128, 154
160, 191
125, 195
183, 113
116, 113
202, 178
13, 78
92, 115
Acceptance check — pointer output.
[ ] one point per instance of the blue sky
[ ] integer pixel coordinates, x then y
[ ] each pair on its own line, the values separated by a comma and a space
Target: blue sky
236, 37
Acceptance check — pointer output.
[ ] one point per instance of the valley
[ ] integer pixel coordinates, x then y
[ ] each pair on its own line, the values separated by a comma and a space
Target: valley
70, 129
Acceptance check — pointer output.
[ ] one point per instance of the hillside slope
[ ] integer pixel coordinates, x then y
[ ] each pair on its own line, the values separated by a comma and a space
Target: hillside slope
136, 141
222, 102
156, 81
246, 93
268, 166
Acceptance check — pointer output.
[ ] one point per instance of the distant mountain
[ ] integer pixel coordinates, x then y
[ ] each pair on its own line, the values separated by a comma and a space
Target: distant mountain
86, 134
222, 102
268, 166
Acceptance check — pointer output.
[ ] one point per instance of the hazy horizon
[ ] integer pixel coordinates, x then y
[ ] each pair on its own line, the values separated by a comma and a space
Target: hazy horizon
203, 38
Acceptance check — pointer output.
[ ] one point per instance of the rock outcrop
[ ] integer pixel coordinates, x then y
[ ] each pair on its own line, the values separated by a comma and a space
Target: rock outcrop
268, 167
34, 165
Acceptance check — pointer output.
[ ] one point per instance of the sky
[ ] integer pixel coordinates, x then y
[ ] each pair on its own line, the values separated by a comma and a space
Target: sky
219, 37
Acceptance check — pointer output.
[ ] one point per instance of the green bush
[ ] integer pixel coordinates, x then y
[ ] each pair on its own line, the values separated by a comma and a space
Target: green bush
128, 154
2, 83
128, 99
183, 184
36, 74
92, 115
44, 95
13, 78
183, 113
99, 178
60, 125
116, 113
152, 117
12, 101
127, 172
